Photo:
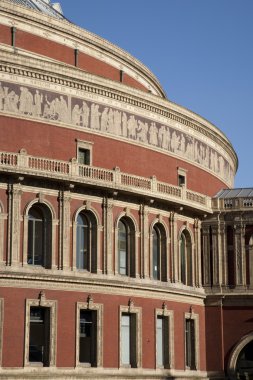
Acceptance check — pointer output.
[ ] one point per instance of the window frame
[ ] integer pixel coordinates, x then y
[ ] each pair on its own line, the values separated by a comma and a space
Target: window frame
85, 146
186, 272
162, 252
195, 318
98, 309
168, 318
48, 236
182, 175
52, 305
93, 244
131, 248
135, 312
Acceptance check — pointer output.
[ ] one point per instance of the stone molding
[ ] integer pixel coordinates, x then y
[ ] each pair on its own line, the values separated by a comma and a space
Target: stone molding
61, 281
169, 314
43, 302
90, 305
137, 311
73, 36
192, 315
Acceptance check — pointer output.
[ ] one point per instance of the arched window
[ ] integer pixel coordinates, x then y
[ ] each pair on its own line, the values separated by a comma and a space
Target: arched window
185, 259
39, 236
159, 260
126, 247
86, 233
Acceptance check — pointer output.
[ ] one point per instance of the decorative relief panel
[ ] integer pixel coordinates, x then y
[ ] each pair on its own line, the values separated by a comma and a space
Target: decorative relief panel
54, 107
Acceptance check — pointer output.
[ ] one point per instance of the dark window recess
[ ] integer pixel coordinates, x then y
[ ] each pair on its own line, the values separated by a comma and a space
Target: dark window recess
181, 180
190, 344
84, 156
88, 337
39, 342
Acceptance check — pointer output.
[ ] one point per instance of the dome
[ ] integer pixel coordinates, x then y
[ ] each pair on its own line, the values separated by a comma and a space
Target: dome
45, 6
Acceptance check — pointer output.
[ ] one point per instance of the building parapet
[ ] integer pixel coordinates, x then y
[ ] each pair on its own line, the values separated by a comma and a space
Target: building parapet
115, 179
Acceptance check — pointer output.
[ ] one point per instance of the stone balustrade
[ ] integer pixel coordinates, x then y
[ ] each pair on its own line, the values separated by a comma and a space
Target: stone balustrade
22, 163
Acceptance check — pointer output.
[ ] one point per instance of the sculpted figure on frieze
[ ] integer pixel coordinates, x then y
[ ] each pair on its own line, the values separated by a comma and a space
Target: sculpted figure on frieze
104, 120
182, 143
164, 137
62, 110
153, 134
11, 101
85, 114
38, 100
25, 101
111, 128
175, 140
2, 96
132, 127
95, 117
142, 132
124, 124
76, 115
117, 122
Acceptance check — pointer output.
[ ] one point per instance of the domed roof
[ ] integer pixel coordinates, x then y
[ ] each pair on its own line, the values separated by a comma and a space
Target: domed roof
45, 6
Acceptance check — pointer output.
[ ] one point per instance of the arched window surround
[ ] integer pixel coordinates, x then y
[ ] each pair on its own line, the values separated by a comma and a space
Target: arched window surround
48, 214
92, 234
131, 254
185, 257
159, 258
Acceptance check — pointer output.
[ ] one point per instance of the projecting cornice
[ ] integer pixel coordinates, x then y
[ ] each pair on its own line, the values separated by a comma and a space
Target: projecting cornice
68, 34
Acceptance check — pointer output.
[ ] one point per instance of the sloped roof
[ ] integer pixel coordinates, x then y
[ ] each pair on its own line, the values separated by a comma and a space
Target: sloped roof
235, 193
44, 6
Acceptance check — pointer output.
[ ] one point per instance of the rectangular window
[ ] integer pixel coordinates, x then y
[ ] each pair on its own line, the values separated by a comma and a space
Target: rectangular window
88, 337
181, 177
162, 341
39, 335
190, 350
84, 156
128, 340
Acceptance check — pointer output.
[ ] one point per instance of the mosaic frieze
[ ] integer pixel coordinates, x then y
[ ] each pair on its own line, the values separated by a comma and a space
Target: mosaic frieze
42, 104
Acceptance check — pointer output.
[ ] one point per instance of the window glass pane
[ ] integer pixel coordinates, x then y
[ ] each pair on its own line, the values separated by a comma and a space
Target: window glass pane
82, 243
39, 335
159, 341
182, 257
125, 339
36, 244
122, 248
156, 254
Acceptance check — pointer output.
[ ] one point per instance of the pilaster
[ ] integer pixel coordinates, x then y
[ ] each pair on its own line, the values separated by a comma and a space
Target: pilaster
14, 202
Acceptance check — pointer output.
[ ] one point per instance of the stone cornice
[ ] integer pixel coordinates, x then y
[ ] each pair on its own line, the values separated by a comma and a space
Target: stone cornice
108, 285
68, 76
80, 37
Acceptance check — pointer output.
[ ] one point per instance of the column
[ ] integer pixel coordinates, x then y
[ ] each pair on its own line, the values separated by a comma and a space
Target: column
14, 202
144, 264
239, 250
64, 230
108, 234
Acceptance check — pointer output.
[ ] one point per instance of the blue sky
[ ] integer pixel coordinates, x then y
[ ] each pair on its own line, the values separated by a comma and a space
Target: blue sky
201, 51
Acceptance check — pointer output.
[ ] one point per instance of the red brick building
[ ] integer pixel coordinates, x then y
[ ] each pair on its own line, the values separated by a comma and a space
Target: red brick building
112, 260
